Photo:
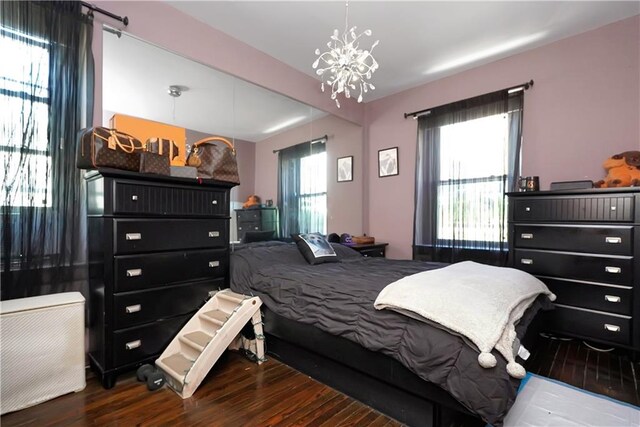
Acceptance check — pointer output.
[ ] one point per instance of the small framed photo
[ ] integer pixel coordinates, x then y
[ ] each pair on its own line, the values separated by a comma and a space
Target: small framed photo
345, 169
388, 162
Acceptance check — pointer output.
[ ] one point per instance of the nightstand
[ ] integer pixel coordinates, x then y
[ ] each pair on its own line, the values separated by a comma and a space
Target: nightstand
371, 250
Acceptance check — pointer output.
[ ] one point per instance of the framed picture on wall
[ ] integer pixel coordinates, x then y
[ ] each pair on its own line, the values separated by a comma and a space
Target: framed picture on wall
388, 162
345, 169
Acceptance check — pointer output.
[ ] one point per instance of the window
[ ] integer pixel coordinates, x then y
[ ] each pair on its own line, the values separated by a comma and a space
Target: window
312, 202
302, 189
24, 93
468, 158
473, 172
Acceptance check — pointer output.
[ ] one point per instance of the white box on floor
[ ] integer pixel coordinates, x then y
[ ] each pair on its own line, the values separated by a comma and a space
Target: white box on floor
41, 349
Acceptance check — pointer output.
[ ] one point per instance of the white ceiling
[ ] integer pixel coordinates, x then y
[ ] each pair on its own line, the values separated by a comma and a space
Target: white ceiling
137, 75
420, 41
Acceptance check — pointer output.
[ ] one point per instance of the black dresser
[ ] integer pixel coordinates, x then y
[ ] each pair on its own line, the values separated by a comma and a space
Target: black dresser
257, 219
157, 246
585, 245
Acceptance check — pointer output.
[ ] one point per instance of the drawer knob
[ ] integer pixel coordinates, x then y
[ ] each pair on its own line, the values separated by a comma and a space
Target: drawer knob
214, 234
527, 208
133, 308
527, 236
613, 270
613, 239
214, 202
214, 264
611, 328
255, 228
526, 261
612, 298
134, 198
134, 272
133, 345
133, 236
613, 208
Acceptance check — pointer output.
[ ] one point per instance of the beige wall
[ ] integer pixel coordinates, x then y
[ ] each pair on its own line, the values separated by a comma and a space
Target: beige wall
344, 199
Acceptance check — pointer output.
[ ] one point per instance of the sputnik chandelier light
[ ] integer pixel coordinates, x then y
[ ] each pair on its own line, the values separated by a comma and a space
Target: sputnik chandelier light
345, 67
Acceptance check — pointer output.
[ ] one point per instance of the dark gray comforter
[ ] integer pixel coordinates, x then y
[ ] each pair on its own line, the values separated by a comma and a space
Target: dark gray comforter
338, 298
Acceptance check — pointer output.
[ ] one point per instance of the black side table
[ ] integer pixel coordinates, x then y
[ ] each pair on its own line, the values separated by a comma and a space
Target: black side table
371, 250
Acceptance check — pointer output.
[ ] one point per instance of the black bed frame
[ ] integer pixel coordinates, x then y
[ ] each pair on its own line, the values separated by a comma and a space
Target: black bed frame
370, 377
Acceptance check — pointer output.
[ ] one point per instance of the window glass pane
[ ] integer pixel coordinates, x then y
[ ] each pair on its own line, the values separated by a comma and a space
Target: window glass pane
313, 174
313, 214
24, 166
475, 148
472, 211
25, 179
23, 121
27, 70
313, 193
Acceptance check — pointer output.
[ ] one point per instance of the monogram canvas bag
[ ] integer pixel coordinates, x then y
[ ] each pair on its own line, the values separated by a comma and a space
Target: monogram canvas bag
215, 158
101, 147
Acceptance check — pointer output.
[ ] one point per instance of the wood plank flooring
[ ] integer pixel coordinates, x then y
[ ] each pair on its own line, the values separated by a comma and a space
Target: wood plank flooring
612, 374
240, 393
236, 393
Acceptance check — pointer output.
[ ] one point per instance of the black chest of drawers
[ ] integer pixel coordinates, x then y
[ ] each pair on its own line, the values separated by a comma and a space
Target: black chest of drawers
585, 245
157, 247
257, 219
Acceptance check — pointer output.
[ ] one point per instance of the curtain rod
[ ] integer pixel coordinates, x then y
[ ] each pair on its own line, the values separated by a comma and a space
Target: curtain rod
523, 86
93, 8
313, 141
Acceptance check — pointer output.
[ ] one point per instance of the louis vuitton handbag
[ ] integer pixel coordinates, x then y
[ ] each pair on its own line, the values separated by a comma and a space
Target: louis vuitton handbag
215, 158
163, 146
101, 147
154, 163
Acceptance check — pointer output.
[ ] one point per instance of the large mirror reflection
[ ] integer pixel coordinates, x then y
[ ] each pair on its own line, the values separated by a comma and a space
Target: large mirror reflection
288, 153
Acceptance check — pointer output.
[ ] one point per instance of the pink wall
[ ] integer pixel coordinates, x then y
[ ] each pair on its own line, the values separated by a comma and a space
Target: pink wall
159, 23
583, 108
344, 199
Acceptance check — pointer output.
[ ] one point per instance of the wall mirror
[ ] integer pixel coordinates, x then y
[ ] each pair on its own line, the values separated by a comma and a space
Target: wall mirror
137, 79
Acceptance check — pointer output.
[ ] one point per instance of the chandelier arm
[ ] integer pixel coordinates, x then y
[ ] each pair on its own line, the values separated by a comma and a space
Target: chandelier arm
346, 17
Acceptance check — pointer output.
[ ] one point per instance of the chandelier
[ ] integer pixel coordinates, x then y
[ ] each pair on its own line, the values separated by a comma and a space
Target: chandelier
346, 68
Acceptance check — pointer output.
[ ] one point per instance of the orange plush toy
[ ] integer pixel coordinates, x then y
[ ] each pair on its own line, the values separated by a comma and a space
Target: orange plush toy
623, 170
252, 201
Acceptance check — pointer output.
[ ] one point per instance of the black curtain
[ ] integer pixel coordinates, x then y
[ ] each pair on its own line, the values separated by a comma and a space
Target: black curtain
294, 201
48, 93
459, 214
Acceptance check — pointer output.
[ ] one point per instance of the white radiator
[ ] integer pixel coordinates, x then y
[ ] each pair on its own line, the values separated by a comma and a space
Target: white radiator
41, 349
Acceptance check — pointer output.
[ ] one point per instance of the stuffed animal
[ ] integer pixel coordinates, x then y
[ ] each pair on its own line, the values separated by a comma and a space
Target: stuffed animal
623, 170
252, 200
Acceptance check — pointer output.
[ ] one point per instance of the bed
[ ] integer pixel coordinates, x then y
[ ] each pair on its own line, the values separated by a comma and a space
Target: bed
320, 319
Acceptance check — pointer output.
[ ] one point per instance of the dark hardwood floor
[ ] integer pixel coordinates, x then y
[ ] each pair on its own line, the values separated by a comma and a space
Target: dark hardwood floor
240, 393
236, 393
612, 374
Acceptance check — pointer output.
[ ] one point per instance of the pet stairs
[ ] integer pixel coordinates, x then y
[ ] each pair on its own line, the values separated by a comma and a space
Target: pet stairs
201, 342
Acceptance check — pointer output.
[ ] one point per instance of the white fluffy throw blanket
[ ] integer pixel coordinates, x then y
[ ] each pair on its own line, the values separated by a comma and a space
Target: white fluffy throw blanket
480, 302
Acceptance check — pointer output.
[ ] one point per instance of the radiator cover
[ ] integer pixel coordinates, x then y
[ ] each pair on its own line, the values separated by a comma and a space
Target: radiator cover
41, 348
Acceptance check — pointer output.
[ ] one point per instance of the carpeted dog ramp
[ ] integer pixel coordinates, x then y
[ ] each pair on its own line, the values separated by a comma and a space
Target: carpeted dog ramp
201, 342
